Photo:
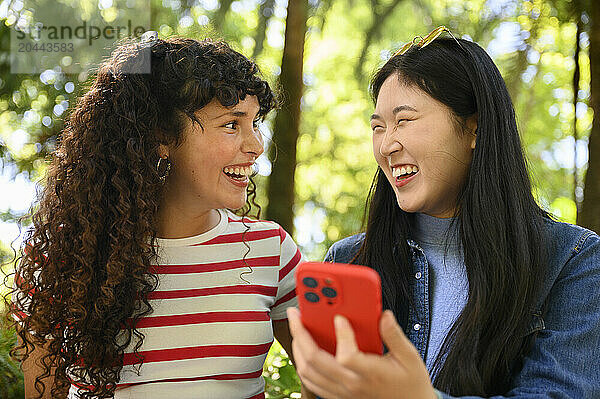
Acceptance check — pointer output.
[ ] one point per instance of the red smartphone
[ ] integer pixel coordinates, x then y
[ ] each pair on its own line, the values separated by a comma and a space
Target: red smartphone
326, 289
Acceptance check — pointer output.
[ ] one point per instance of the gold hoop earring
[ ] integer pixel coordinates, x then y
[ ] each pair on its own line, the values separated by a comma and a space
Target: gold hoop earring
163, 170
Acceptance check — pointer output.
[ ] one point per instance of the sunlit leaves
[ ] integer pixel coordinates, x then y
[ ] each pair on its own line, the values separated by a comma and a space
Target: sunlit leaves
532, 42
280, 375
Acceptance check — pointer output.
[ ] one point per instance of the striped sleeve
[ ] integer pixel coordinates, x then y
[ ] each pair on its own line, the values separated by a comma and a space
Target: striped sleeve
20, 298
19, 304
289, 258
22, 290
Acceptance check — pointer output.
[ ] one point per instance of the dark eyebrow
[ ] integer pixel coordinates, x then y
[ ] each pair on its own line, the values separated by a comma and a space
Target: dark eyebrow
403, 108
232, 113
396, 110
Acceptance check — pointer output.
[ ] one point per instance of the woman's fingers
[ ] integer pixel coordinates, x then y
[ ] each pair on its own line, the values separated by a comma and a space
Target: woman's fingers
354, 374
397, 343
364, 365
318, 369
345, 341
296, 328
320, 391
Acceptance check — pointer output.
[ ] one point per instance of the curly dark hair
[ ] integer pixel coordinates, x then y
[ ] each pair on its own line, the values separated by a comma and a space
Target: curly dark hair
84, 273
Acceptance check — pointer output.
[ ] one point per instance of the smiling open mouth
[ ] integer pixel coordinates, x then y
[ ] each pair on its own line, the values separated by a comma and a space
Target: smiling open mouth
238, 172
404, 172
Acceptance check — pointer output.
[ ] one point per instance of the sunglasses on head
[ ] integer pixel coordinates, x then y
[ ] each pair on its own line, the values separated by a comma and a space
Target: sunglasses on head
421, 41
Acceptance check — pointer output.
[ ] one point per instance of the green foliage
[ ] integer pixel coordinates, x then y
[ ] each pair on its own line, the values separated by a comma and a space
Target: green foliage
280, 376
335, 161
543, 95
11, 377
335, 165
564, 209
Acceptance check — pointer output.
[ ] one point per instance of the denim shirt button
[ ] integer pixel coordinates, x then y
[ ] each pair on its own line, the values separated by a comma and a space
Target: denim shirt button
418, 275
417, 327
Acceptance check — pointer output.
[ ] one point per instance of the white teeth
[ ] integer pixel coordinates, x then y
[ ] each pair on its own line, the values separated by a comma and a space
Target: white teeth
404, 170
238, 170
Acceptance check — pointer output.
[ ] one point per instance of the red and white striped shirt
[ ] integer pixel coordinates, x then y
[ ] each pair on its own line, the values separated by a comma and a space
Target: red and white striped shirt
210, 330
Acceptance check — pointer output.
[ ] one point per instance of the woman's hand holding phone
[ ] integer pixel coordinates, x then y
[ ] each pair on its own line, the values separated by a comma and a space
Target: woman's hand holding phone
328, 289
329, 361
352, 374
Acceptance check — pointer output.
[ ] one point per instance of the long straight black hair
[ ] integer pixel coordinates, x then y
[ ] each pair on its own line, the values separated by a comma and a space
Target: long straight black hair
500, 222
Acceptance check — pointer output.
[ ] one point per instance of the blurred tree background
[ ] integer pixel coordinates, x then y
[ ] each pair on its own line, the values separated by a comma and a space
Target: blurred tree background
320, 54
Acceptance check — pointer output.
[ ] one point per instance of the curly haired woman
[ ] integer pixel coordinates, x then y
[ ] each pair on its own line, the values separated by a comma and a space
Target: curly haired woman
137, 280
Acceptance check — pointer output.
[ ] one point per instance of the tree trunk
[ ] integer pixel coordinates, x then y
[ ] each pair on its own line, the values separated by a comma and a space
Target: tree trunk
576, 77
221, 13
590, 209
380, 14
265, 12
280, 189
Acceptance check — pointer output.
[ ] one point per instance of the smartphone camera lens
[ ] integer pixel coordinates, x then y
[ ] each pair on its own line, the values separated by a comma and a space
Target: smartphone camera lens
311, 297
309, 282
329, 292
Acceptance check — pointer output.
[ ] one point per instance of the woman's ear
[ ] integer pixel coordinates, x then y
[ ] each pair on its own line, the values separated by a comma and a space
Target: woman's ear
163, 151
472, 129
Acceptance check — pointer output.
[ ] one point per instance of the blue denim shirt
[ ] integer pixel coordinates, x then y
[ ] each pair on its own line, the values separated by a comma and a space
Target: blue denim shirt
564, 360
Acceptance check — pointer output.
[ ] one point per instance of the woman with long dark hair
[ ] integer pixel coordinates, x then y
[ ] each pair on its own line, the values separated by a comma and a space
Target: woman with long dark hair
492, 297
137, 280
